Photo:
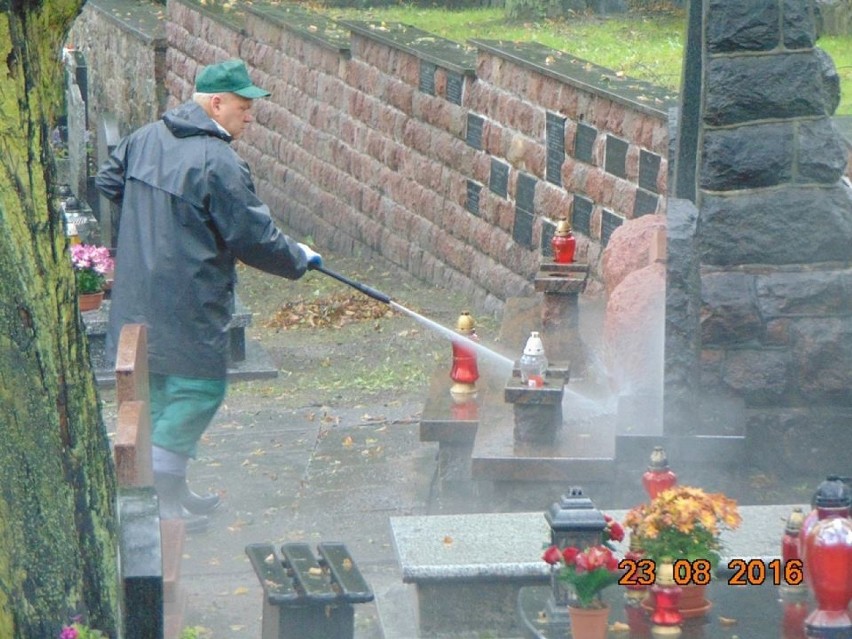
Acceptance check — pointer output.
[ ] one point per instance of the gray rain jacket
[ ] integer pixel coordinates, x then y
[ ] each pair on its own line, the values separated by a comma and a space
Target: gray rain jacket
188, 212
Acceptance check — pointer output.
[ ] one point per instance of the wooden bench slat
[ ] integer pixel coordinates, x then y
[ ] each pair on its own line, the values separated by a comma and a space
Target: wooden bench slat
344, 572
307, 574
277, 586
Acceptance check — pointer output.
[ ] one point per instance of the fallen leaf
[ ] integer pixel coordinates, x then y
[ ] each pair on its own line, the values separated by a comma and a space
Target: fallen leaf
448, 540
242, 590
347, 441
619, 627
727, 621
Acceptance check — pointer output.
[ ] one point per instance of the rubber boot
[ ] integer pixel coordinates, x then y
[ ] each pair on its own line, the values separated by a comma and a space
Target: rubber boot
169, 491
198, 504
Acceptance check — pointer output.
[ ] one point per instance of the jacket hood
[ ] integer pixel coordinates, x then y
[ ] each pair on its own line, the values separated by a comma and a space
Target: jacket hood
190, 119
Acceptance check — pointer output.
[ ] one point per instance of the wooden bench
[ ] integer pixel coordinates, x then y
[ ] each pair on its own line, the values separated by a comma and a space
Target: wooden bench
308, 597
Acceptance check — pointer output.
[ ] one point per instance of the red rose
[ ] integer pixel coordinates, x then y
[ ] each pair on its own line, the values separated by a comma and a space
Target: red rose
570, 554
616, 531
552, 555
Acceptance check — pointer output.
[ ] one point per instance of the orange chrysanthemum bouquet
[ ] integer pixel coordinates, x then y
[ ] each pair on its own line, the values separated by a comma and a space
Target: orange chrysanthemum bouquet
683, 523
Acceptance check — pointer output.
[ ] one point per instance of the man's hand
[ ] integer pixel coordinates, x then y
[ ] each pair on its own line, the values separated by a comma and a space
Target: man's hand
311, 256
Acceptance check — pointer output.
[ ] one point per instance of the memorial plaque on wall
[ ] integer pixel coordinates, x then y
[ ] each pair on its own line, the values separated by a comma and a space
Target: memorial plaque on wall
616, 156
649, 169
499, 180
522, 229
474, 131
547, 231
609, 222
584, 142
525, 195
455, 87
427, 77
581, 215
473, 191
645, 203
555, 142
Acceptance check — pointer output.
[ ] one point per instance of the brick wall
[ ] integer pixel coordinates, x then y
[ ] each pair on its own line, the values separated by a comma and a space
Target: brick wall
431, 153
124, 44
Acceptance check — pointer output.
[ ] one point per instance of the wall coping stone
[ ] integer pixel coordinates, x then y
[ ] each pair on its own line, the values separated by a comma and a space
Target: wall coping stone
311, 26
424, 45
229, 14
637, 94
145, 20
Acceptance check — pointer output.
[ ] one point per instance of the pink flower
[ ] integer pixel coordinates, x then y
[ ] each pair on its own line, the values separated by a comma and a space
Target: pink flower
69, 632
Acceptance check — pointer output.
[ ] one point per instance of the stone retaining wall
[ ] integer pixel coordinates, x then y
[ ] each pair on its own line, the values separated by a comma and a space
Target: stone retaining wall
453, 161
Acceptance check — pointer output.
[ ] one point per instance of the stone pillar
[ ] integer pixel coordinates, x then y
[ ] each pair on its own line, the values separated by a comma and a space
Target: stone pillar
773, 232
560, 312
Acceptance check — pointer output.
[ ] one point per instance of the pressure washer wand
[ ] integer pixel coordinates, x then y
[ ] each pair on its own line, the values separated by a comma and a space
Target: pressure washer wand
366, 290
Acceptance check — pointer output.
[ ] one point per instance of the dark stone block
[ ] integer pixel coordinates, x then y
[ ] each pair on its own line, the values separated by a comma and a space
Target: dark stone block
472, 201
759, 376
645, 204
729, 313
584, 142
616, 156
474, 131
822, 154
802, 294
609, 222
141, 563
742, 89
799, 25
525, 195
747, 157
816, 227
555, 143
522, 229
581, 215
742, 26
830, 81
537, 423
499, 179
455, 87
427, 77
649, 170
822, 359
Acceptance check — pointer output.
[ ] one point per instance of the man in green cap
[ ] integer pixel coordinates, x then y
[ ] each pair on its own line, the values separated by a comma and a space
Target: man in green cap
189, 211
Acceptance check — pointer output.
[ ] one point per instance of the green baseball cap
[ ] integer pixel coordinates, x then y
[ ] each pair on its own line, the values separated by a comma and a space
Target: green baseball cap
230, 76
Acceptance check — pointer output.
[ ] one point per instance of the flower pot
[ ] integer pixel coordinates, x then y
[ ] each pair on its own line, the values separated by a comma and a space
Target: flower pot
90, 301
589, 623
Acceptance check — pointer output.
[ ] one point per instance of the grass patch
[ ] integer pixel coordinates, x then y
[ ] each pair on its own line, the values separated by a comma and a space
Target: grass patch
645, 47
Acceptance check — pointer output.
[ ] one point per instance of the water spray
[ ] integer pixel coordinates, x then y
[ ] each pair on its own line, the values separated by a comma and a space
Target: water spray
450, 334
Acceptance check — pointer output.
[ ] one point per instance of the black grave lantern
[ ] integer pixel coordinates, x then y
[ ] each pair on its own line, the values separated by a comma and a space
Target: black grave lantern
574, 521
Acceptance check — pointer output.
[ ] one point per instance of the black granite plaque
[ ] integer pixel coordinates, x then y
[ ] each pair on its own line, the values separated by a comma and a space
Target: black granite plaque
584, 142
455, 87
609, 222
499, 180
522, 230
645, 203
581, 215
547, 231
474, 131
649, 169
427, 77
555, 141
473, 190
525, 195
616, 156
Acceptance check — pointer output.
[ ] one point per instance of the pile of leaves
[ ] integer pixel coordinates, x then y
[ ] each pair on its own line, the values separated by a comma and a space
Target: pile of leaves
332, 311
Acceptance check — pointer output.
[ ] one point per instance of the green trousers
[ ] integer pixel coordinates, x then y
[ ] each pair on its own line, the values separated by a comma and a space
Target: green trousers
182, 409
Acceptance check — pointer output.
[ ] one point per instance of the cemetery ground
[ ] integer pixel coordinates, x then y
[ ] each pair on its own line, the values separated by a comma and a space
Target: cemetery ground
329, 449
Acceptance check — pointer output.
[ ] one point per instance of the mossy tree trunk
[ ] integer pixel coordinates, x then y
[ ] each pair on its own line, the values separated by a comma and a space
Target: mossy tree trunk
57, 521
